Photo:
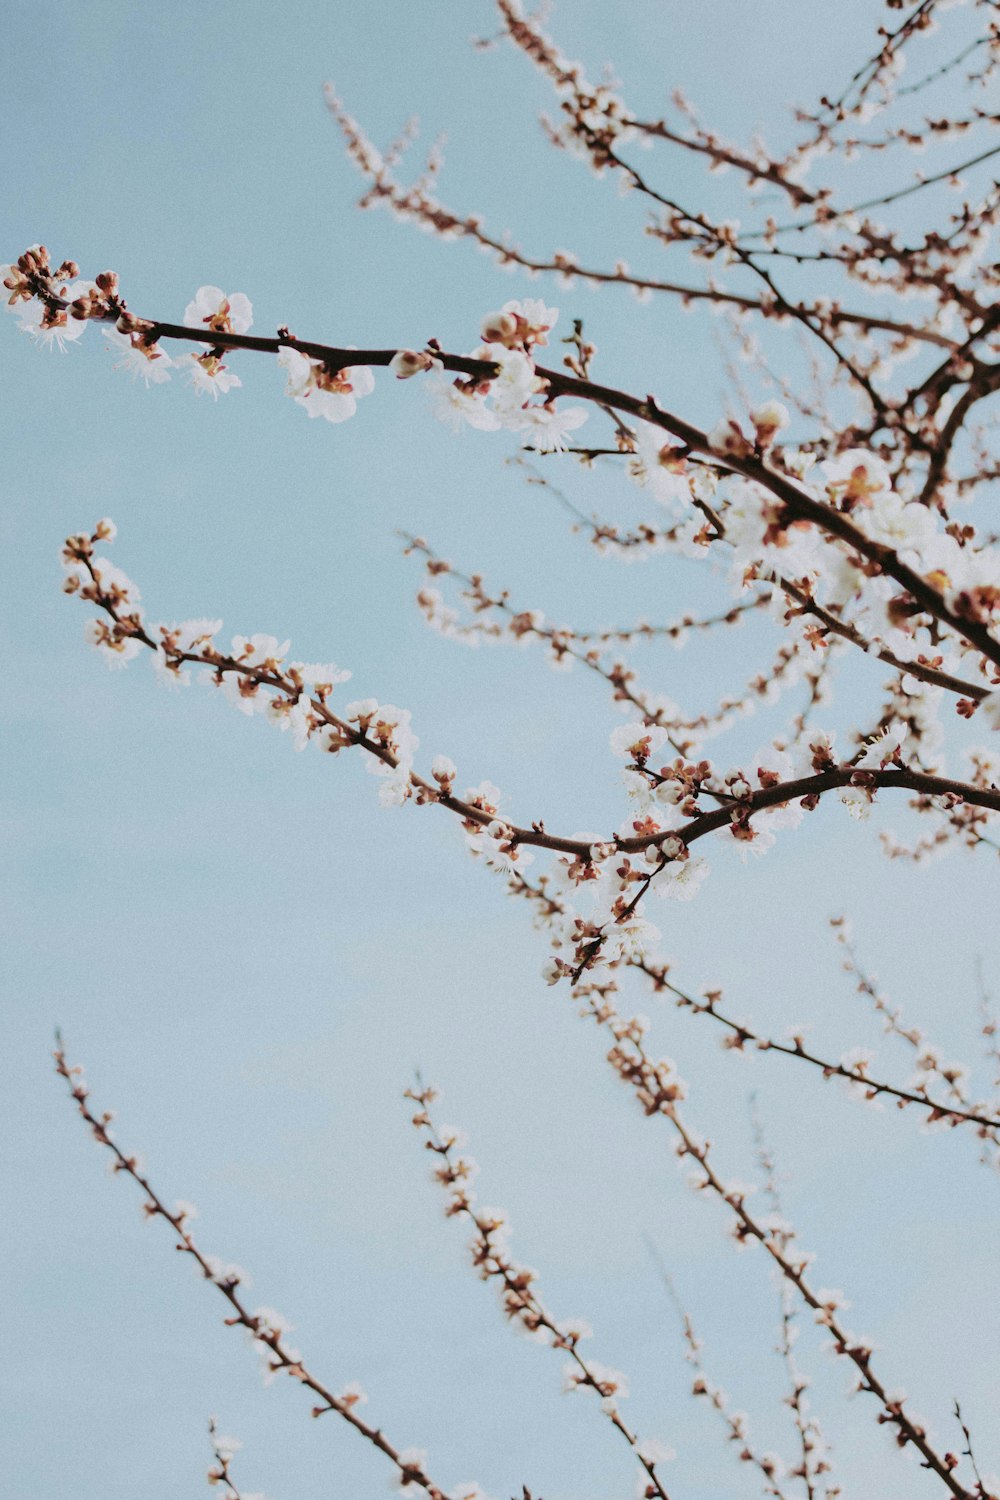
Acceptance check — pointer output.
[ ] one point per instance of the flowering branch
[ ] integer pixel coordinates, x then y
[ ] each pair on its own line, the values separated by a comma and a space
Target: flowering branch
224, 1450
520, 1302
853, 1068
389, 741
267, 1328
317, 371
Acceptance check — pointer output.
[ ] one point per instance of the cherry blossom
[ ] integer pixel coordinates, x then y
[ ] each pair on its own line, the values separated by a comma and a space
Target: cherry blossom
208, 374
212, 309
835, 503
323, 392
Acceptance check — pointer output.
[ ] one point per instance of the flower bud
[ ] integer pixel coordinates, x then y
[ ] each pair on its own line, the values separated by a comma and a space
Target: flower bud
407, 362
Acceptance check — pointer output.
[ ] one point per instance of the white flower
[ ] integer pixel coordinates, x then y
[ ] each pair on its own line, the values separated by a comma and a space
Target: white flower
855, 476
455, 404
52, 330
638, 789
655, 1452
116, 584
208, 374
681, 879
549, 426
192, 635
905, 526
857, 802
294, 716
319, 674
212, 309
395, 788
576, 1328
637, 741
611, 1382
515, 383
259, 650
411, 1460
117, 651
168, 672
884, 747
226, 1447
226, 1272
332, 394
272, 1321
240, 691
631, 939
443, 770
146, 362
656, 464
990, 708
353, 1394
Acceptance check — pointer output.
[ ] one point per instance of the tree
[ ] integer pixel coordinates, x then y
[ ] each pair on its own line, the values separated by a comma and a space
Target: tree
837, 503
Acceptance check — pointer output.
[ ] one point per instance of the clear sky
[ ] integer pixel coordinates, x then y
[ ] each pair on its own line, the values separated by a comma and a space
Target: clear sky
251, 957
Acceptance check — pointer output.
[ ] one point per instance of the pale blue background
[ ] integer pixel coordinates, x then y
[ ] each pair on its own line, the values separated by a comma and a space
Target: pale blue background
251, 956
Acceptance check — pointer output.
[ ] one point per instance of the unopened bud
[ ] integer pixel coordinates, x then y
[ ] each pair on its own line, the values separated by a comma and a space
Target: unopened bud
407, 362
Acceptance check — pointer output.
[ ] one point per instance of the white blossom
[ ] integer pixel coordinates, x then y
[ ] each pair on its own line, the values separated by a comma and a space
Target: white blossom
213, 310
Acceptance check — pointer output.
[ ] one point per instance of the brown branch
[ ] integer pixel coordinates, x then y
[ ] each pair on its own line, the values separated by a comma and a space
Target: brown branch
520, 1302
798, 504
281, 1359
901, 778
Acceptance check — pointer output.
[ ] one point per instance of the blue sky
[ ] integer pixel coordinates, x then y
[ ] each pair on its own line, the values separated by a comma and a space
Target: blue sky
251, 957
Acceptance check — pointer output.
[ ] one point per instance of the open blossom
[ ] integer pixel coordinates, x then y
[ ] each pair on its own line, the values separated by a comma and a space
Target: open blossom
16, 284
457, 403
259, 650
169, 671
213, 310
192, 635
116, 648
515, 383
855, 477
412, 1463
884, 748
548, 427
208, 374
143, 361
906, 526
269, 1320
681, 879
332, 394
858, 801
637, 740
653, 1451
658, 466
294, 715
609, 1382
226, 1447
52, 329
323, 675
